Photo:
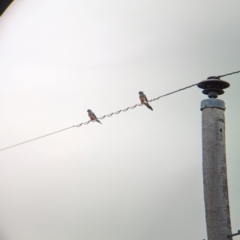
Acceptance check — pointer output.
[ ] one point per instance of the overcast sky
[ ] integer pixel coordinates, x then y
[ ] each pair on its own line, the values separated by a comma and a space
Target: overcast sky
138, 175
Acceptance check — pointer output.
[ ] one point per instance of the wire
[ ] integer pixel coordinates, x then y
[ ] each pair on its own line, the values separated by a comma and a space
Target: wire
228, 74
107, 115
111, 114
35, 139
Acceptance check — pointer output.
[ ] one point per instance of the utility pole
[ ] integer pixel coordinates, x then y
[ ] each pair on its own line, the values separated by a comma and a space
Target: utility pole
215, 184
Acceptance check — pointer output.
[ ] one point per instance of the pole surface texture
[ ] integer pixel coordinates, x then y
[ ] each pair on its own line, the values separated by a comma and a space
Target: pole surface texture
215, 170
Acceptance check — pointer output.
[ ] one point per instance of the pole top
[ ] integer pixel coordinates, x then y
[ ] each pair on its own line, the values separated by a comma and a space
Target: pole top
212, 103
213, 86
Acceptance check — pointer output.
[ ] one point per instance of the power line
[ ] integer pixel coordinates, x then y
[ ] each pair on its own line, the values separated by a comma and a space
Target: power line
111, 114
107, 115
228, 74
15, 145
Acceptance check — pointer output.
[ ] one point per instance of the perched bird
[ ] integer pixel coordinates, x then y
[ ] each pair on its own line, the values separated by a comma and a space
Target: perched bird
92, 116
144, 100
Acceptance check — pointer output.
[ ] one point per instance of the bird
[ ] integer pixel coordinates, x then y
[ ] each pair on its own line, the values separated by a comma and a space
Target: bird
144, 100
93, 116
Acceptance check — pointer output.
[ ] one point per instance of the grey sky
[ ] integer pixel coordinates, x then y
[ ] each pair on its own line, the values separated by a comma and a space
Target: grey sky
138, 175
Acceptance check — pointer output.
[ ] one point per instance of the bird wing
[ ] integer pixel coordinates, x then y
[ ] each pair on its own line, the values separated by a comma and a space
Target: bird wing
94, 116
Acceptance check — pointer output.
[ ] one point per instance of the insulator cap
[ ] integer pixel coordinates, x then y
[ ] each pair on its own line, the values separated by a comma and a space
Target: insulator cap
213, 86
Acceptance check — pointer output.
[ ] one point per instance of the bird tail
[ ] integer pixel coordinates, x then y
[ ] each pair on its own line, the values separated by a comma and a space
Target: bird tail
148, 106
98, 121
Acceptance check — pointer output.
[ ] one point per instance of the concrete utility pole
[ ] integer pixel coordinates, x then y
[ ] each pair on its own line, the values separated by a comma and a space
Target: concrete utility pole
214, 160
